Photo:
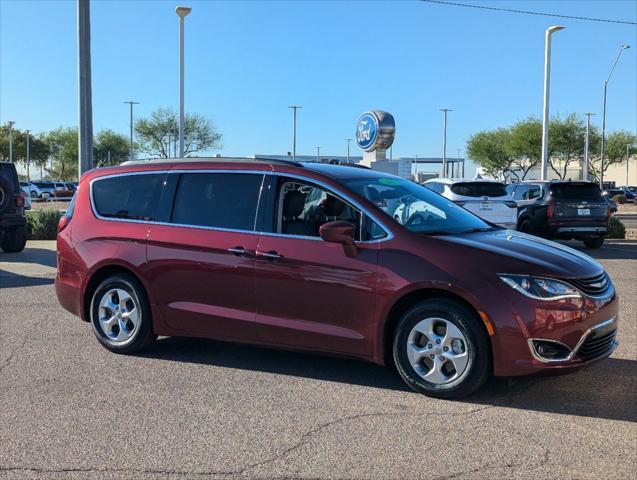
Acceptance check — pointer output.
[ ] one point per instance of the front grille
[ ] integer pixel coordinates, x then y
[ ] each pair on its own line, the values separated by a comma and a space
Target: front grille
594, 286
596, 345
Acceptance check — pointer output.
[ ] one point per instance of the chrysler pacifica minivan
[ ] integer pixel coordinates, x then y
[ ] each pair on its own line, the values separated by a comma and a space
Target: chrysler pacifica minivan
311, 257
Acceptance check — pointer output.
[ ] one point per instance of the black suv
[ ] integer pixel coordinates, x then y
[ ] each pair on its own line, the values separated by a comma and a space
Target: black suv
562, 209
13, 230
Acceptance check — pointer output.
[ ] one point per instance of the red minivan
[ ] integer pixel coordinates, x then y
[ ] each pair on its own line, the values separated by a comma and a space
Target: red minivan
310, 256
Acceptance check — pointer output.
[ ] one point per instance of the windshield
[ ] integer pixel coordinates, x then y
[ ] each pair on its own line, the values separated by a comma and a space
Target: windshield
479, 189
576, 191
416, 207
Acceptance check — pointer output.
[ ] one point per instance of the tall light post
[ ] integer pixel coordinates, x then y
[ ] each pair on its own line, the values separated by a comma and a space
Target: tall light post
627, 160
28, 142
182, 12
601, 159
458, 164
85, 92
11, 124
131, 103
294, 109
348, 140
547, 86
318, 154
586, 143
444, 143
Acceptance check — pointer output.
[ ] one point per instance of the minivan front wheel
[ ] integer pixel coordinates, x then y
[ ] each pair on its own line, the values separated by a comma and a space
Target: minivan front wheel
441, 350
594, 243
121, 316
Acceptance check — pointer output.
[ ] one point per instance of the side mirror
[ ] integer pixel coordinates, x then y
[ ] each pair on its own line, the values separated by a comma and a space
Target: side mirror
340, 232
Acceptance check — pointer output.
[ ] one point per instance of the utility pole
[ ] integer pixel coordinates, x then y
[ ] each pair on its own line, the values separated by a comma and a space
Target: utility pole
586, 143
547, 87
444, 143
85, 94
318, 154
294, 109
627, 161
28, 140
11, 123
130, 151
348, 140
182, 12
601, 168
458, 164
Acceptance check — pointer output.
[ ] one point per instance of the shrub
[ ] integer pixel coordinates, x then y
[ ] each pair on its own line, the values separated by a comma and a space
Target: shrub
619, 199
42, 224
617, 228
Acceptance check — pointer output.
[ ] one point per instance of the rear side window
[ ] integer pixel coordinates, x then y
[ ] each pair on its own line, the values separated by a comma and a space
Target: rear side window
218, 200
8, 172
576, 191
131, 197
435, 186
479, 189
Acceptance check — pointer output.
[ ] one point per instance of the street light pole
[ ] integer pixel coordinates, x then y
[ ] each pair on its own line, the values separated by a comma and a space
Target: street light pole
131, 103
444, 143
28, 140
85, 94
586, 143
547, 86
294, 109
318, 154
182, 12
601, 155
348, 140
627, 160
11, 123
458, 164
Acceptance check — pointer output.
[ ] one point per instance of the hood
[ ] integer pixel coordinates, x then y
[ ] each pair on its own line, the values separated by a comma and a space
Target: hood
508, 251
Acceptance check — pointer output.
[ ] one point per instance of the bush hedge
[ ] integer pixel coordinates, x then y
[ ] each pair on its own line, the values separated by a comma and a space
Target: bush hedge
617, 228
619, 199
42, 224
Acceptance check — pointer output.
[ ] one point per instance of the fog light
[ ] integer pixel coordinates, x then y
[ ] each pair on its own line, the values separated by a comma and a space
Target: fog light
551, 350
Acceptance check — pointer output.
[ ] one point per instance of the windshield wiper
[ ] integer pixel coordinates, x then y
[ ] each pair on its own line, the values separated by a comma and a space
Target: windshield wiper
480, 229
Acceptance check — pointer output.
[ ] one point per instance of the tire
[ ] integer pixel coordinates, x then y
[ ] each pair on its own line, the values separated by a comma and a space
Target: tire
594, 243
6, 194
525, 227
34, 194
447, 381
112, 321
14, 241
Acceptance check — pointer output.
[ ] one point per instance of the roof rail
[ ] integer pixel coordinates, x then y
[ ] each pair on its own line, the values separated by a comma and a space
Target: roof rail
213, 160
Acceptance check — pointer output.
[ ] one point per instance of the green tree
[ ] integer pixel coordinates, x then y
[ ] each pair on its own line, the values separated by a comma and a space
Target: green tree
109, 141
488, 149
64, 151
525, 145
38, 149
154, 134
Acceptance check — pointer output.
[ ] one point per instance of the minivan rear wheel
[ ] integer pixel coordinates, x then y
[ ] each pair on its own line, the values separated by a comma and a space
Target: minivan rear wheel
441, 350
120, 315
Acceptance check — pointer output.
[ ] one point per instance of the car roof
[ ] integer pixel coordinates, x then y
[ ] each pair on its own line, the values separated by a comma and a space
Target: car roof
451, 181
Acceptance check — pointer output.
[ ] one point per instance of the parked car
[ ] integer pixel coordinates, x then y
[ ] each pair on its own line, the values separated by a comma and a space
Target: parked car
47, 189
311, 256
61, 190
612, 204
13, 233
563, 210
72, 186
628, 193
30, 189
486, 198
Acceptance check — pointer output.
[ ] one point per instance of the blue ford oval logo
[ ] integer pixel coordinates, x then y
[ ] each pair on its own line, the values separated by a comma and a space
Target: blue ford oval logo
367, 131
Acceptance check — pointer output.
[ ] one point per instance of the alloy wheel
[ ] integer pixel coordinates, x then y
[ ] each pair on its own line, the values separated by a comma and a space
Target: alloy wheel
437, 350
118, 315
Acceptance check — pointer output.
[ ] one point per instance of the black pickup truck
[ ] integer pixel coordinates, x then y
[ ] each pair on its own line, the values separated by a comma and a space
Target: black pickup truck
562, 209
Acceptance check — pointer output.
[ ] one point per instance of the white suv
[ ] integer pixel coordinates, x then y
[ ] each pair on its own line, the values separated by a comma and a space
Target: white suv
486, 198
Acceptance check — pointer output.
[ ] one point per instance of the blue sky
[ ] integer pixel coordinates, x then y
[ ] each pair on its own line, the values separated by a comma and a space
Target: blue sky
247, 61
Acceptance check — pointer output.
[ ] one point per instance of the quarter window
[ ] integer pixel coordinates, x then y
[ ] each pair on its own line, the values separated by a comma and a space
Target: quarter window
218, 200
132, 197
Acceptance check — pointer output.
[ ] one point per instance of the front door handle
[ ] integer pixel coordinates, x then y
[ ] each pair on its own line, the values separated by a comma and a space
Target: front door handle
271, 255
237, 251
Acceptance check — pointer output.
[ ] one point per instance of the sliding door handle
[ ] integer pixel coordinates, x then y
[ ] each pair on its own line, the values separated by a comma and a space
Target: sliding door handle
271, 255
237, 251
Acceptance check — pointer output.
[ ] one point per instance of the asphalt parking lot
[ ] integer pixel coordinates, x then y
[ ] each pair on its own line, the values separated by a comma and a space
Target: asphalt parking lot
203, 409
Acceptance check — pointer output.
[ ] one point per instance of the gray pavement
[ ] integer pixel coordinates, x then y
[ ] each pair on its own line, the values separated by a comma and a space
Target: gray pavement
203, 409
629, 220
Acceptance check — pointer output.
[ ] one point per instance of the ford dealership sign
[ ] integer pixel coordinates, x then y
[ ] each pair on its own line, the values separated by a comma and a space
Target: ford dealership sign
375, 130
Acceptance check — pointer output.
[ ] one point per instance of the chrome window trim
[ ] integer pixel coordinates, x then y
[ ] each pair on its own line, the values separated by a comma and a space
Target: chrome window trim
577, 345
354, 203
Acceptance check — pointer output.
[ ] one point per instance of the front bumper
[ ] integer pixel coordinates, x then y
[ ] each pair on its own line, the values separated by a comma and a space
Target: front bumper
569, 323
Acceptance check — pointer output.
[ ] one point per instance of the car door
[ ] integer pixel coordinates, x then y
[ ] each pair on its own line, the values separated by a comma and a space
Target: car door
309, 294
201, 255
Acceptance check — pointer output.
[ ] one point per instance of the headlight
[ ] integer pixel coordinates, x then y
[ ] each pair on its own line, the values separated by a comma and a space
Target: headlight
540, 288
